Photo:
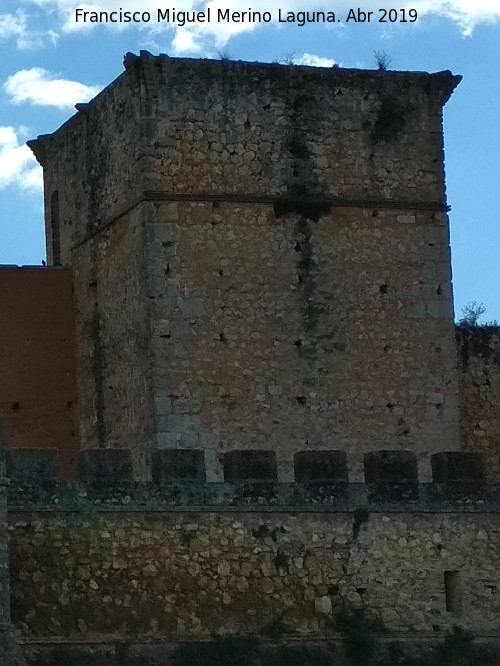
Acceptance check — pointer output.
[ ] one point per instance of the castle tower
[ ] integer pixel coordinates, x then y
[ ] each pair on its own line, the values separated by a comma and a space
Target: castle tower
261, 268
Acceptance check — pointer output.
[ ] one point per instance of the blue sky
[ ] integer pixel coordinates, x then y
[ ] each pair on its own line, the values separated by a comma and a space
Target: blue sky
49, 62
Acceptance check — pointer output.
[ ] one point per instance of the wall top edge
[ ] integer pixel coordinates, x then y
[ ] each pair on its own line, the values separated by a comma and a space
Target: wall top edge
146, 67
255, 497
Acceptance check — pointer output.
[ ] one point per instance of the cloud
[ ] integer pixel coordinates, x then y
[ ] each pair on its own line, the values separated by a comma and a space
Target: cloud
17, 163
204, 37
467, 13
42, 88
15, 26
313, 61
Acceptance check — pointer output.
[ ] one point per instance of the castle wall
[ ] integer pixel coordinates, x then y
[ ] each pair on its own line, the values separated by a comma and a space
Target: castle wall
38, 398
168, 575
479, 362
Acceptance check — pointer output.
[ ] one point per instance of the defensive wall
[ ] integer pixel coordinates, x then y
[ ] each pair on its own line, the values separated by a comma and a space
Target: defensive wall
157, 564
479, 378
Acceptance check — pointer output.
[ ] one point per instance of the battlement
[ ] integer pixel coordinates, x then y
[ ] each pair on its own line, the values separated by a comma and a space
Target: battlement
113, 467
229, 559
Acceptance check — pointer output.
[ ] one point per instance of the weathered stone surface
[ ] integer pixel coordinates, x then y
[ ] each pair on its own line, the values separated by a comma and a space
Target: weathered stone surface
457, 467
10, 653
479, 372
105, 466
32, 465
168, 466
102, 573
241, 466
320, 466
263, 293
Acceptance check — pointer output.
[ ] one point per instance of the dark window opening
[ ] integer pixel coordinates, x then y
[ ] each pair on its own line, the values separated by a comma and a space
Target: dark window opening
453, 591
54, 229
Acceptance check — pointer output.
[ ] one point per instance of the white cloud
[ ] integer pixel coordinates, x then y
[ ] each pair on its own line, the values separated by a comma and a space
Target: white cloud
42, 88
313, 61
205, 37
185, 42
15, 26
17, 163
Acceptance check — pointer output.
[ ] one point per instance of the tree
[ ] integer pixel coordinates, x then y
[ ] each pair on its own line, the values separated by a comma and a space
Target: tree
472, 313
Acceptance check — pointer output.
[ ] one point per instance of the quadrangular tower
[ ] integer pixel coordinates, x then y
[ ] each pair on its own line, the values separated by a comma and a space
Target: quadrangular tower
261, 267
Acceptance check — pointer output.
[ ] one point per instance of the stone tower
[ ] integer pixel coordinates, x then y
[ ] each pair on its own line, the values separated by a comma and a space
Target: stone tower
261, 268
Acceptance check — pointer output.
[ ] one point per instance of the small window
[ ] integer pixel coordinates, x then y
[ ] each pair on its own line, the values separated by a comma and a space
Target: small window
54, 229
453, 591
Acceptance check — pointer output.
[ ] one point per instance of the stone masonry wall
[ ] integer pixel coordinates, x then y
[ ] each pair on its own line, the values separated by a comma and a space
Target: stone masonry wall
112, 324
92, 164
255, 129
104, 575
479, 362
291, 289
288, 335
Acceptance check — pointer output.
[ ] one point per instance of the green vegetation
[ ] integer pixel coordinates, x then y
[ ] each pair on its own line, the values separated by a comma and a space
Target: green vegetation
359, 636
391, 120
362, 647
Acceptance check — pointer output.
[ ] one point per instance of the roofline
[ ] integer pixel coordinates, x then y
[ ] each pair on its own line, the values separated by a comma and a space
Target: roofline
445, 80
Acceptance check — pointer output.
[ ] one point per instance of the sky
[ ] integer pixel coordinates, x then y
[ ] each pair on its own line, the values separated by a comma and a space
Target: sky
50, 61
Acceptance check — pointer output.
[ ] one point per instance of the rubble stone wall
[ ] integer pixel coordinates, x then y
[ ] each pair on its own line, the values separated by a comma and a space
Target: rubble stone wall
112, 329
172, 575
285, 334
479, 373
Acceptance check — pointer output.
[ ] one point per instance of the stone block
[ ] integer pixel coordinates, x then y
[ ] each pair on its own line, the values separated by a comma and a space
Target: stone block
241, 466
105, 466
170, 466
453, 467
320, 466
391, 467
192, 308
32, 465
391, 476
